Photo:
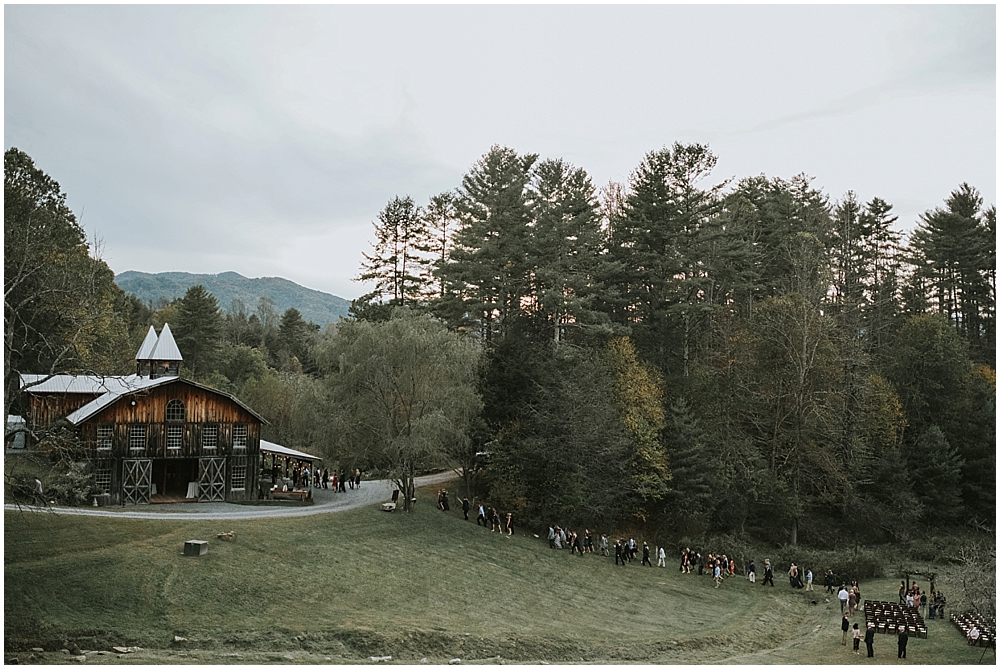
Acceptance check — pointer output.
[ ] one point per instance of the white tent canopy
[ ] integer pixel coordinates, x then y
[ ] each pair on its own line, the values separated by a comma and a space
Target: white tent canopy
269, 447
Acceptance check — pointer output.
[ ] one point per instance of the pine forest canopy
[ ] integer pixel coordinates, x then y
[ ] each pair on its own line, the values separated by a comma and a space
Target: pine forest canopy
780, 330
745, 357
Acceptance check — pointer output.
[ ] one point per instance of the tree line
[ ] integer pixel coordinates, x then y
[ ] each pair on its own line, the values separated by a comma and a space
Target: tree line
745, 357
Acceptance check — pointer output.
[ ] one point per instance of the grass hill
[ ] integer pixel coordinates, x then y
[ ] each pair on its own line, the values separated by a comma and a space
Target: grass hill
343, 587
315, 306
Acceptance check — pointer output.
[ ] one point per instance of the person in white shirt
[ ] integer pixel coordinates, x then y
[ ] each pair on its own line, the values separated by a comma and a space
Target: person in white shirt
843, 596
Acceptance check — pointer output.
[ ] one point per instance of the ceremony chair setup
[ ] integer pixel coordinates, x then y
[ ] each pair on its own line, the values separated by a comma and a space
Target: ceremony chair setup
891, 618
987, 627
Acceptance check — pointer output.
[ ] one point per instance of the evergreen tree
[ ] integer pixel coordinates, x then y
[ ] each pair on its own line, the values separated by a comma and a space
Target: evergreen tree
198, 331
489, 266
882, 255
657, 240
953, 249
565, 246
937, 471
395, 265
694, 464
440, 223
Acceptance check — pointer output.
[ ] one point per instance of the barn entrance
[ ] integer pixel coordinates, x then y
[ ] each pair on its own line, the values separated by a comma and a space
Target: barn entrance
172, 478
136, 481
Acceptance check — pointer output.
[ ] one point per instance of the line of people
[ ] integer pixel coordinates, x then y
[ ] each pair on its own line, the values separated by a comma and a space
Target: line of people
487, 517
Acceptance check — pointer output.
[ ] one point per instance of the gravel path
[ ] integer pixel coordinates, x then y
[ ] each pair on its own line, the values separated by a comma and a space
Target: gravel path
324, 501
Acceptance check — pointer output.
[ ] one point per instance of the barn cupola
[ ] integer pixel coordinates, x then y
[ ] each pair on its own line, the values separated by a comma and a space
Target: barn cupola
158, 356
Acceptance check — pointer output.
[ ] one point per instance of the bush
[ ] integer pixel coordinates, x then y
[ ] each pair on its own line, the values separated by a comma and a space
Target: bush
74, 486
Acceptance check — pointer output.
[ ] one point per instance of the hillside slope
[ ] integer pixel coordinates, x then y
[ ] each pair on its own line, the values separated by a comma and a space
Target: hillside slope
344, 587
315, 306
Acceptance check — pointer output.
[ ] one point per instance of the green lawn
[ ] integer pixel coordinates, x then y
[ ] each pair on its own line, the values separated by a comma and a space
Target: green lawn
349, 585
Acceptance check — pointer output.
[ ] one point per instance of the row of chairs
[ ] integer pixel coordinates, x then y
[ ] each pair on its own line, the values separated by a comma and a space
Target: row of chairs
987, 627
891, 618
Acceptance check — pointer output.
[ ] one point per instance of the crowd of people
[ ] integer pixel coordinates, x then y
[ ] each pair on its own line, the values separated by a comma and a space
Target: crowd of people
304, 475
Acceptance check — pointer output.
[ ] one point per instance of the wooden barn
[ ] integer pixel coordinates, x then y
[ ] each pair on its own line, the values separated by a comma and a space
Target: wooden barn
153, 436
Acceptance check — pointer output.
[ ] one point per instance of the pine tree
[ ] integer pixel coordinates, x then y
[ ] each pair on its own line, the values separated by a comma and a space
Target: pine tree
565, 246
937, 471
489, 263
952, 248
694, 465
395, 264
198, 330
440, 223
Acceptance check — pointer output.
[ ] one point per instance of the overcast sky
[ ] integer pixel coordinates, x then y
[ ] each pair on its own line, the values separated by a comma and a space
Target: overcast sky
265, 139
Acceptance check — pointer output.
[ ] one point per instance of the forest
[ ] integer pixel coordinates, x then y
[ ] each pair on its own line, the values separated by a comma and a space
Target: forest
746, 357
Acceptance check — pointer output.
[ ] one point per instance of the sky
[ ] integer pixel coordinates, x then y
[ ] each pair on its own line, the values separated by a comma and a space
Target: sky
265, 139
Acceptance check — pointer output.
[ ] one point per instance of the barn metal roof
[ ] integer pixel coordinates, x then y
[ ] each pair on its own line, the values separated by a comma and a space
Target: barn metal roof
110, 397
109, 390
270, 447
148, 344
166, 347
86, 384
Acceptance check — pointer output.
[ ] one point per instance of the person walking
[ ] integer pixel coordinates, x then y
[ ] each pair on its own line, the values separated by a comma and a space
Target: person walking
604, 546
465, 507
752, 571
661, 560
481, 516
618, 552
843, 596
809, 579
645, 555
552, 536
901, 640
768, 573
845, 626
870, 639
857, 638
357, 479
510, 527
718, 574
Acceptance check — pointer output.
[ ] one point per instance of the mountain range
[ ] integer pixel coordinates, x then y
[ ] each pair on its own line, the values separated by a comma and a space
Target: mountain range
314, 305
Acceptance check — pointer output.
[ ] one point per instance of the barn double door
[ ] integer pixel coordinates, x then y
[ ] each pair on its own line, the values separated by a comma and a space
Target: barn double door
137, 478
211, 479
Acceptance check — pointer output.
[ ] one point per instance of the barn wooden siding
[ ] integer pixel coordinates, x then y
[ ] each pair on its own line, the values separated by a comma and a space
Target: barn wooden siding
202, 408
48, 408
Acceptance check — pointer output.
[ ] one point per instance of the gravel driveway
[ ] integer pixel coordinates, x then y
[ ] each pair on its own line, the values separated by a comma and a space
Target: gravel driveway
325, 501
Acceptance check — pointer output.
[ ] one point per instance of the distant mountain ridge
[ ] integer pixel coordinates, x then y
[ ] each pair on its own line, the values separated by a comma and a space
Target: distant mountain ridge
314, 305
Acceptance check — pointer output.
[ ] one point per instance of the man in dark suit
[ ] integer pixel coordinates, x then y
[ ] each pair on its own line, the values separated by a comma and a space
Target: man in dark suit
870, 639
901, 640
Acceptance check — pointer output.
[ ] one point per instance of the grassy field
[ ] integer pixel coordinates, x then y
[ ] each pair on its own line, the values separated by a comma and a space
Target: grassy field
346, 586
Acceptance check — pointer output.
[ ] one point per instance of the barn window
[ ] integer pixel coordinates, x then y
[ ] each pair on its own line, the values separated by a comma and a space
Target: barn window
239, 436
102, 477
175, 411
209, 437
137, 437
175, 437
104, 436
239, 478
